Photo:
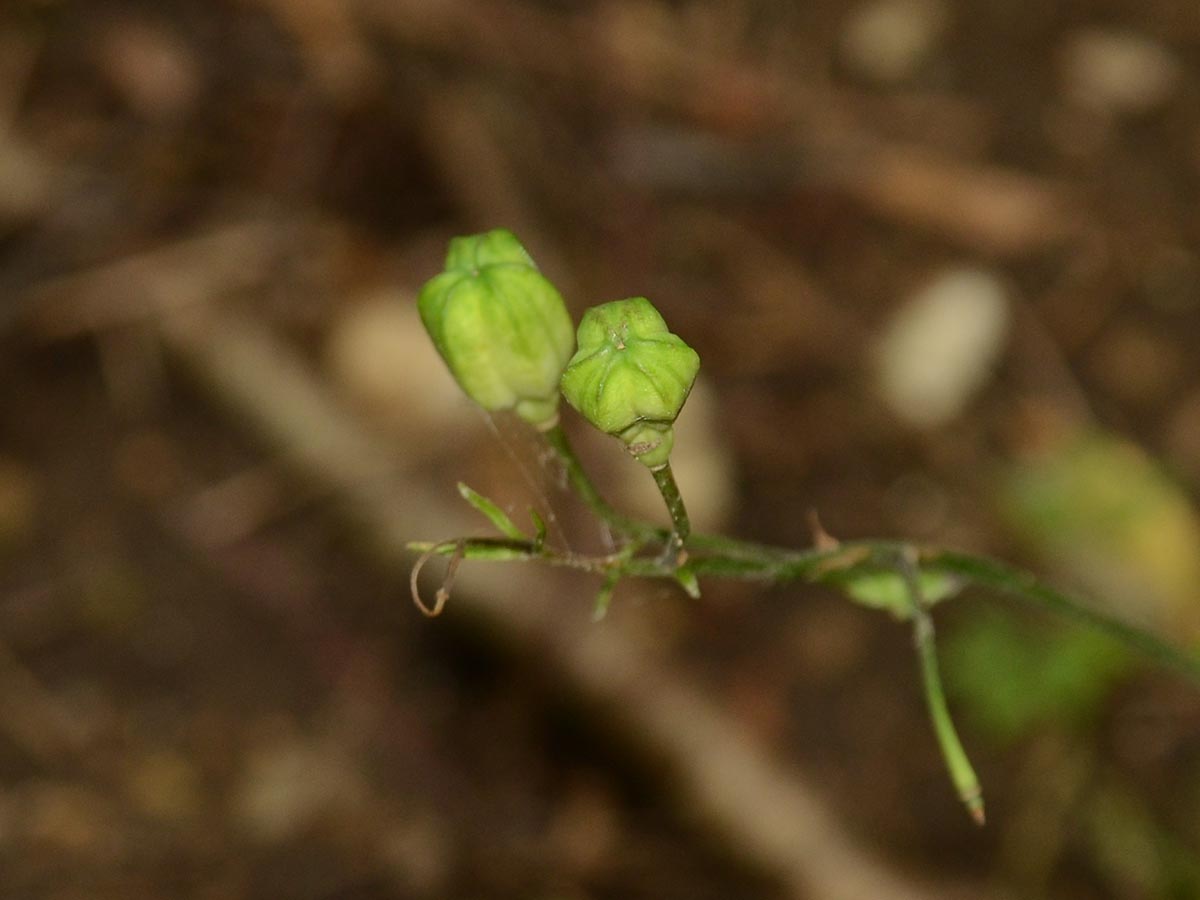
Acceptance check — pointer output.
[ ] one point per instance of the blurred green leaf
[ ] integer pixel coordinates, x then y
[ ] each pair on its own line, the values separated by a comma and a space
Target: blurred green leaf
879, 589
1136, 854
1013, 679
1110, 516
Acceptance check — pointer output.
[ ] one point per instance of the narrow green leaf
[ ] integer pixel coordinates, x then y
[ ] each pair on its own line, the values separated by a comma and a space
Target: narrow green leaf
495, 549
494, 514
962, 773
539, 524
604, 595
688, 581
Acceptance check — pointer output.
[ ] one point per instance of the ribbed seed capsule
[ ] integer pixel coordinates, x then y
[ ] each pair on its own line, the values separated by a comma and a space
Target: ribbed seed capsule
500, 325
631, 376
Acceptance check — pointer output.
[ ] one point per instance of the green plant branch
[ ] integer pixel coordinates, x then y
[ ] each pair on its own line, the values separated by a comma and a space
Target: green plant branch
681, 526
962, 773
629, 376
841, 566
1029, 589
635, 530
557, 438
901, 578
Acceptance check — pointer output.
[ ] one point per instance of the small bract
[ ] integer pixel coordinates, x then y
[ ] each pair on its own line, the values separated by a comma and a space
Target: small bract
631, 376
500, 325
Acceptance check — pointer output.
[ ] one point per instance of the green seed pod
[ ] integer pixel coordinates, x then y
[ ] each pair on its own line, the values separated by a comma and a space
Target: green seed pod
631, 376
500, 325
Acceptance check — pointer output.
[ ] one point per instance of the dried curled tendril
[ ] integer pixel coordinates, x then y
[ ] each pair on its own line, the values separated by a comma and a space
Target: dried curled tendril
443, 592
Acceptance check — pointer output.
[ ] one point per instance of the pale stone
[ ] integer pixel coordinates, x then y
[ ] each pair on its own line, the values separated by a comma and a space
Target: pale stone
383, 361
941, 347
888, 40
1116, 72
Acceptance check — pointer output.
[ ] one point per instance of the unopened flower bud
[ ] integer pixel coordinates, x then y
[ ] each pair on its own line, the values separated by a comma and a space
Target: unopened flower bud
500, 325
631, 376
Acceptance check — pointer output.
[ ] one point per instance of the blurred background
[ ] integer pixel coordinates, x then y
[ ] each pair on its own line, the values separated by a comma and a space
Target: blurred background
940, 261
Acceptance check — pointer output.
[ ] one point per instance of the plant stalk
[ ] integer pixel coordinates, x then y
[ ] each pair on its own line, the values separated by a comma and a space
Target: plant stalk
557, 438
962, 773
681, 526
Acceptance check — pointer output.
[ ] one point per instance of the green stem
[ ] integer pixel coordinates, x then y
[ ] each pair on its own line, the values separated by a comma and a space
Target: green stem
957, 763
962, 773
1028, 589
752, 561
582, 484
756, 554
681, 527
726, 558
